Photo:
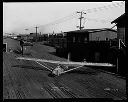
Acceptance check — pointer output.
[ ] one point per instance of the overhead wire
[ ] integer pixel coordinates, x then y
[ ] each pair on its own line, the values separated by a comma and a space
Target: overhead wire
100, 8
93, 10
71, 16
99, 20
111, 6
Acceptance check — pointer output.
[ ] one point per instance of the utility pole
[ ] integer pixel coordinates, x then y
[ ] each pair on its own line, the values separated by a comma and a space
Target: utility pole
119, 47
36, 32
80, 27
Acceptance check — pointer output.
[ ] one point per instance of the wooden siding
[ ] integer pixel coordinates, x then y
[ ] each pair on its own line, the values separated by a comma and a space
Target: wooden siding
102, 35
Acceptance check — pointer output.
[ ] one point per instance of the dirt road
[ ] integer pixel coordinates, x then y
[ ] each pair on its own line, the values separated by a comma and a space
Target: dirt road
28, 80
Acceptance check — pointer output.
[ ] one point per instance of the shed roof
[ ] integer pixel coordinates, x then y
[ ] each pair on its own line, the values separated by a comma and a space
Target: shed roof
119, 18
92, 30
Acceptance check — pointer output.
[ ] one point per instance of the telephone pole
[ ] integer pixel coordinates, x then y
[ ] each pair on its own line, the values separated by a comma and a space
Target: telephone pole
80, 27
36, 32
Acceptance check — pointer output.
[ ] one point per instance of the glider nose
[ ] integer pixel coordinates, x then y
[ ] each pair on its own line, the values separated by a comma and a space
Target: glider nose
57, 71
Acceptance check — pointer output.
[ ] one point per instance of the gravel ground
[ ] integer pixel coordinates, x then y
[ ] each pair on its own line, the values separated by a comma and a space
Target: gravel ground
28, 80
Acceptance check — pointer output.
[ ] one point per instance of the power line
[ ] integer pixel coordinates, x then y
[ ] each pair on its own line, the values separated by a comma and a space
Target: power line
61, 21
88, 11
73, 15
104, 7
99, 20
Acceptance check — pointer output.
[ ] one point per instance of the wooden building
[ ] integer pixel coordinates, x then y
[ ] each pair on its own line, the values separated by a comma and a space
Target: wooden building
90, 44
104, 34
122, 44
39, 37
22, 36
120, 22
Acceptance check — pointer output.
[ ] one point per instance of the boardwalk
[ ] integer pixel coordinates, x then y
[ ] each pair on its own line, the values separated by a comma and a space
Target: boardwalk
28, 80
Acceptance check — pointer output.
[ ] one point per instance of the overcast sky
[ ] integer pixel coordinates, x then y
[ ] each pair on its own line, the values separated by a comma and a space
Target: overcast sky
19, 16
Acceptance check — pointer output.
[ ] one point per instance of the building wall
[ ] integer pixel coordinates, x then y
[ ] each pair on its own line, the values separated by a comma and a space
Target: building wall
77, 37
102, 35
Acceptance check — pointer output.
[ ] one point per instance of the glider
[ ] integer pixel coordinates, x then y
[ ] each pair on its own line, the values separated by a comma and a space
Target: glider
60, 70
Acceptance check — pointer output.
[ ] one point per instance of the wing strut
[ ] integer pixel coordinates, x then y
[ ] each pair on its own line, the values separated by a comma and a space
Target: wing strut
72, 69
43, 65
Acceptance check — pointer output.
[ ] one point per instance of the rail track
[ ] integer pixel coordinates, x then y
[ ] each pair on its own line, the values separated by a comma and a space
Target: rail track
55, 88
22, 82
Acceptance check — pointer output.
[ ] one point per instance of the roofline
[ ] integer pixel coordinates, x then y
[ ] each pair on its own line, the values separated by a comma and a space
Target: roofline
118, 18
103, 30
93, 30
